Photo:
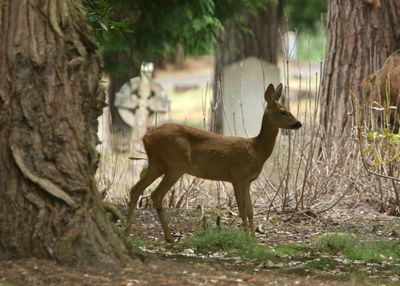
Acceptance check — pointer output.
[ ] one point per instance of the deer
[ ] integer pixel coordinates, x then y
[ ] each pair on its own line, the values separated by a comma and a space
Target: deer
383, 87
174, 150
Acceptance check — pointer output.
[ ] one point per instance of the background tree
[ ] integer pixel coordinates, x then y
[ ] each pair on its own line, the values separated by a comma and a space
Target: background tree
304, 15
130, 32
258, 36
360, 36
50, 99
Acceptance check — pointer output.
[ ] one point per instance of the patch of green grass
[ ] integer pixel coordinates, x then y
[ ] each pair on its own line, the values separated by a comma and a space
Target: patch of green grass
337, 242
135, 242
376, 251
236, 242
354, 248
231, 241
319, 263
293, 251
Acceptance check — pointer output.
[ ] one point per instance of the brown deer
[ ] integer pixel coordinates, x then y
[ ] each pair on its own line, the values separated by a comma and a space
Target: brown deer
174, 150
383, 87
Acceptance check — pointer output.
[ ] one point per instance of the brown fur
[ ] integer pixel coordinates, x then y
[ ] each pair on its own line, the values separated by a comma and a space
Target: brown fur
385, 84
174, 150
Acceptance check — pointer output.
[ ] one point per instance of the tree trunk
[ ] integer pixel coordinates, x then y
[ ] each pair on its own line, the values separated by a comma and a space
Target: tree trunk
360, 36
261, 40
50, 99
116, 82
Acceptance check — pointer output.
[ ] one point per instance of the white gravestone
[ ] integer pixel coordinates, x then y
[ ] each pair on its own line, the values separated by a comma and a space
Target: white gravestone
104, 130
243, 87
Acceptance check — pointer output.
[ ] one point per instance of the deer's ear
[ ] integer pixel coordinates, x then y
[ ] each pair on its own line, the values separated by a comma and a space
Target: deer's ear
269, 94
278, 91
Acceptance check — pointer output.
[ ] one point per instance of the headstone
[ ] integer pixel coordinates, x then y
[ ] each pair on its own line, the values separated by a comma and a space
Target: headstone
290, 45
104, 129
243, 87
141, 101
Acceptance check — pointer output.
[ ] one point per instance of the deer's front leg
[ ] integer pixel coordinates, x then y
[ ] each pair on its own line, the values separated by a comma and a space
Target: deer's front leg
240, 190
151, 175
249, 208
157, 196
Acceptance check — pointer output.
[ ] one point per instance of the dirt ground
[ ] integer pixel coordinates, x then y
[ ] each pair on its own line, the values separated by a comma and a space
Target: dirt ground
162, 268
150, 272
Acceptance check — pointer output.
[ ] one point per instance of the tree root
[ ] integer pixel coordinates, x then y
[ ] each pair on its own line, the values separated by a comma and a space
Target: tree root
45, 184
114, 211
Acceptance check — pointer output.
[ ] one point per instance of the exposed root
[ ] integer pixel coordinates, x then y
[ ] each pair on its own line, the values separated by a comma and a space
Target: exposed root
45, 184
114, 211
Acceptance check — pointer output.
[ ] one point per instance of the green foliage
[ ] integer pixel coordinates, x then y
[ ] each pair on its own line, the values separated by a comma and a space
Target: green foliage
380, 138
130, 32
99, 14
305, 15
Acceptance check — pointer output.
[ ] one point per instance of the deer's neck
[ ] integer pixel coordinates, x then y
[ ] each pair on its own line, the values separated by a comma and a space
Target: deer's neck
265, 141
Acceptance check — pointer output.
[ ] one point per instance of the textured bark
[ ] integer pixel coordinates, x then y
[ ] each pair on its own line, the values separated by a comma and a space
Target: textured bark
50, 99
118, 126
262, 40
360, 36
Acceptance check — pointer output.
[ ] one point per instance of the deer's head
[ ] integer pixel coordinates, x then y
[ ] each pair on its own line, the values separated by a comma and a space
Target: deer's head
276, 113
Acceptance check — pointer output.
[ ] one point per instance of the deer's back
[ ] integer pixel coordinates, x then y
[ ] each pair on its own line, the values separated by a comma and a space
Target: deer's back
201, 153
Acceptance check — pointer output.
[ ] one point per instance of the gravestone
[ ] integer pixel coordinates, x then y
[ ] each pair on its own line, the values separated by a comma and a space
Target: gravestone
104, 129
141, 101
243, 87
290, 45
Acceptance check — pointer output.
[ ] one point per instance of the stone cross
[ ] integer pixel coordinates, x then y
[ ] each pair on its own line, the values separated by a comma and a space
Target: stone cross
140, 100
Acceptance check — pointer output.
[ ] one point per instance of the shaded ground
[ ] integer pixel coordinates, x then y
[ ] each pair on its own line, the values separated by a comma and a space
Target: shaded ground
150, 272
171, 269
278, 231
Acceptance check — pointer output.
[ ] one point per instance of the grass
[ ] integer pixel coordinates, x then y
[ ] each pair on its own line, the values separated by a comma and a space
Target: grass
136, 242
319, 263
234, 242
231, 241
376, 251
354, 248
336, 243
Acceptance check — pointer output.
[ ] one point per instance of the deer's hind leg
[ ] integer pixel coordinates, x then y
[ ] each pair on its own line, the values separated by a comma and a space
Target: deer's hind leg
157, 196
152, 173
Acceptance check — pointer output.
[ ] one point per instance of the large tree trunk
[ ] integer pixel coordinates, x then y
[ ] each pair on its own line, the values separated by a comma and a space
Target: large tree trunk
361, 35
50, 99
261, 40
